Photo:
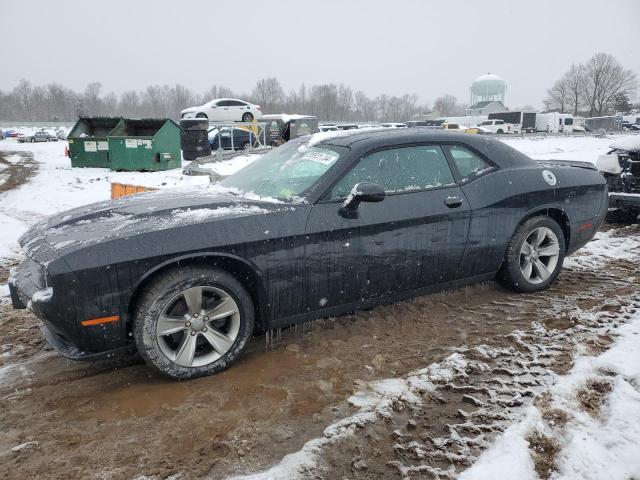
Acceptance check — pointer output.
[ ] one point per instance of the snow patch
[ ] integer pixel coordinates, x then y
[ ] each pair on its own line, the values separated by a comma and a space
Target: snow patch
204, 213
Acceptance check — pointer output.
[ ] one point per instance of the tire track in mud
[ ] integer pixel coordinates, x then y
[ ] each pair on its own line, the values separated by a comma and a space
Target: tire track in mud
14, 174
444, 432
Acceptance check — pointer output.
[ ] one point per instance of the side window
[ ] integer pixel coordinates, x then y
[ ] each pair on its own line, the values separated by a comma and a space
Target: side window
223, 103
469, 164
234, 103
399, 170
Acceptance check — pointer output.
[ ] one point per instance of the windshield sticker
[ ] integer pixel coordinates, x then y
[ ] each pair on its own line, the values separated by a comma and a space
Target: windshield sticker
323, 157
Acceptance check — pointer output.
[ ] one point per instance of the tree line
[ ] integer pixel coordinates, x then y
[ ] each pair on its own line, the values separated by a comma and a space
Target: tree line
55, 102
600, 86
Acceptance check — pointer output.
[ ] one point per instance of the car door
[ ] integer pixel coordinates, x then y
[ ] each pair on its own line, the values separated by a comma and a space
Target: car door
222, 113
414, 238
491, 224
236, 110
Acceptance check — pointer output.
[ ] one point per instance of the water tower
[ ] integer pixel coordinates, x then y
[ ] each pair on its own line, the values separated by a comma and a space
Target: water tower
488, 88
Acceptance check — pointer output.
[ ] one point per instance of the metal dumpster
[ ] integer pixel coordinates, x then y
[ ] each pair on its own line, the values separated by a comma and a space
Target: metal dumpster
149, 144
88, 146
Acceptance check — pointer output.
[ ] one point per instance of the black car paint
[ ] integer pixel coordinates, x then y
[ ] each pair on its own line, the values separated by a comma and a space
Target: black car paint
305, 260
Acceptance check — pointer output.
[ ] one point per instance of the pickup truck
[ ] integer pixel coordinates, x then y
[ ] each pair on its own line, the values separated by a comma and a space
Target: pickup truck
498, 126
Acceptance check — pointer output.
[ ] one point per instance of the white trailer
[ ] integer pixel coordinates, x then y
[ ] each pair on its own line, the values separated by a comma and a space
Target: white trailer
554, 122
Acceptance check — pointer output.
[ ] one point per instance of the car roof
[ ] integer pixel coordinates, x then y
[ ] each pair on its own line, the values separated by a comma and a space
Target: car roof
495, 150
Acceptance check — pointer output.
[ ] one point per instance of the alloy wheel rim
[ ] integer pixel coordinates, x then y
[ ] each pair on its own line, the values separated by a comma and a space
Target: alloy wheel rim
539, 255
198, 326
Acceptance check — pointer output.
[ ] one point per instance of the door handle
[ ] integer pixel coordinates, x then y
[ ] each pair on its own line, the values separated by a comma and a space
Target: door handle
453, 202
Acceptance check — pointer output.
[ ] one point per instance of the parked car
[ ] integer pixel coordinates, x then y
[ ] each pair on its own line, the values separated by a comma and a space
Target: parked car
225, 110
452, 126
327, 128
36, 137
319, 226
496, 126
621, 169
393, 125
53, 137
242, 139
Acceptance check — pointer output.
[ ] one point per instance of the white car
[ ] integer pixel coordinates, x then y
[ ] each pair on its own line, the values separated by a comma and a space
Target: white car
225, 110
498, 126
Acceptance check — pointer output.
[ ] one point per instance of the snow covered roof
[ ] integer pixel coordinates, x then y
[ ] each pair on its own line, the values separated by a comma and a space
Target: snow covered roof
629, 144
489, 77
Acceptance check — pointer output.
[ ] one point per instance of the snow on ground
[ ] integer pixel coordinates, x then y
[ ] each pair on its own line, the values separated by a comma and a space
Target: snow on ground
605, 247
580, 148
599, 446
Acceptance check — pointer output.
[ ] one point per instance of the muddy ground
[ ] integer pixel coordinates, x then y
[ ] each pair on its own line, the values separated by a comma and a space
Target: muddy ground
84, 420
14, 174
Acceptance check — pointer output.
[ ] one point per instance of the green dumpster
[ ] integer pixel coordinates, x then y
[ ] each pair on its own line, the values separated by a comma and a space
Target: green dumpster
88, 146
146, 145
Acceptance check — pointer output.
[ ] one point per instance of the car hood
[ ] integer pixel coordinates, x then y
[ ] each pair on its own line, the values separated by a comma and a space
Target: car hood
136, 214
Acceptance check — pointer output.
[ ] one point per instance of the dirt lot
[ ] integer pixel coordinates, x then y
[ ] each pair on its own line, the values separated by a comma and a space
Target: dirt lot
14, 174
83, 420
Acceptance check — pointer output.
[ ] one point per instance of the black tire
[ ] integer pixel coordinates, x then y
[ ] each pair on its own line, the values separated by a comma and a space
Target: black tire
247, 117
510, 274
202, 115
157, 296
500, 132
245, 146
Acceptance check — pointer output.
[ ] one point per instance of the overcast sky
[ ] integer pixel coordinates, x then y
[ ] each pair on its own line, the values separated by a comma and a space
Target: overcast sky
390, 46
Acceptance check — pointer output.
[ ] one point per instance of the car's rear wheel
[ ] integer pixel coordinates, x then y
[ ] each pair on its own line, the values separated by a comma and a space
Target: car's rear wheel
500, 132
247, 117
201, 115
534, 256
192, 322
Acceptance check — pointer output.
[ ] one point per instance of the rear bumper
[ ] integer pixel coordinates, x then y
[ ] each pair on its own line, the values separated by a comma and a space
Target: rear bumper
622, 200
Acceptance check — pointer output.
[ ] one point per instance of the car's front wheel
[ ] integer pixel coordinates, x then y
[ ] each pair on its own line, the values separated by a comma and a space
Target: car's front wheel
193, 321
201, 115
534, 256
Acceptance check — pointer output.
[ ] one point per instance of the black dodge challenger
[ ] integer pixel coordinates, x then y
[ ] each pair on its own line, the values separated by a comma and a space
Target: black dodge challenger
320, 226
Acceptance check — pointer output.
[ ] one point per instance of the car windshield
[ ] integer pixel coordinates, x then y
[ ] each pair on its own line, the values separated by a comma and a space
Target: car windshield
285, 172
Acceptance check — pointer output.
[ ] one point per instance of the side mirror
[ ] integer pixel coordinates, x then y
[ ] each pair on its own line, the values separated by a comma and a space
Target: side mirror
361, 192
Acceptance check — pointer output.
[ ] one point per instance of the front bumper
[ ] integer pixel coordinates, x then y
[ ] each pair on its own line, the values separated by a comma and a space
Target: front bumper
62, 304
70, 351
624, 200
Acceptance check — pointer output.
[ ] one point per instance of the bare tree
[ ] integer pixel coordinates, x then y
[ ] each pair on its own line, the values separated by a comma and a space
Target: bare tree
91, 98
268, 93
445, 105
575, 80
129, 103
558, 95
365, 107
605, 79
23, 95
